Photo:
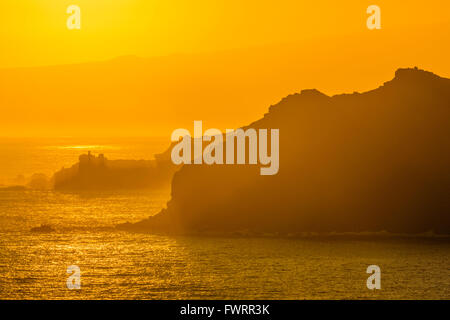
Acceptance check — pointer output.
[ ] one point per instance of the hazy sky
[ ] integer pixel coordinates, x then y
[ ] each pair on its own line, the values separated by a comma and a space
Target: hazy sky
34, 32
223, 62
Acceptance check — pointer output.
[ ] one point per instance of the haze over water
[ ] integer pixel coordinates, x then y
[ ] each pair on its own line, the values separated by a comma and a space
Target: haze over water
28, 156
374, 160
123, 265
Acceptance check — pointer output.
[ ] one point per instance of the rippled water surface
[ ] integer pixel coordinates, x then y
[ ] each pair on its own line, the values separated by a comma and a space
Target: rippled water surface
121, 265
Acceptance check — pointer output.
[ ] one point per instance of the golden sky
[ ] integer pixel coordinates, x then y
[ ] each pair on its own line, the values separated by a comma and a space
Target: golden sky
223, 62
34, 32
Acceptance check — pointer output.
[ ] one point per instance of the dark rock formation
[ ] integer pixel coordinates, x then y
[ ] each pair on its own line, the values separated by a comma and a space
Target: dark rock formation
99, 173
372, 161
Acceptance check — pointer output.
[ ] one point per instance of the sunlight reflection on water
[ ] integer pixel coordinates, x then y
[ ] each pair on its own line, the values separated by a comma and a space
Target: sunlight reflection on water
121, 265
85, 147
25, 157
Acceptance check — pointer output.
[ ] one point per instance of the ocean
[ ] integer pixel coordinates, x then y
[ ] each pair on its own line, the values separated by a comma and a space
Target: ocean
123, 265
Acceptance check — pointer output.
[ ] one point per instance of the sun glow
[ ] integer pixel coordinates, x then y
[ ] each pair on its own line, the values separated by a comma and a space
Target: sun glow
39, 36
90, 147
152, 66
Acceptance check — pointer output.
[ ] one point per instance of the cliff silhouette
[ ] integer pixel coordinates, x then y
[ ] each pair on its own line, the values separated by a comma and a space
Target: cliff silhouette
99, 173
373, 161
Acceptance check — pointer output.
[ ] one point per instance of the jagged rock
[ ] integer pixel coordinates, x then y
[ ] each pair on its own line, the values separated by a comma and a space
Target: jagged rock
369, 161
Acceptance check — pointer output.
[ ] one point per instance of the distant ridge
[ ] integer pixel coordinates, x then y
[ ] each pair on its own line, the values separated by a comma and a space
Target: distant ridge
362, 162
140, 96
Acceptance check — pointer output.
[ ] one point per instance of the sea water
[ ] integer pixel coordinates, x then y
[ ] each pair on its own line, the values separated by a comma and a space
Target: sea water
123, 265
